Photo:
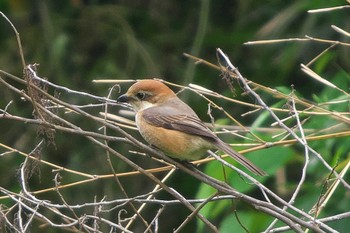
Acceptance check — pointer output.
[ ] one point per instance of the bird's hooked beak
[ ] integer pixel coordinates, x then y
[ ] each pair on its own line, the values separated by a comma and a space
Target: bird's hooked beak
123, 99
129, 101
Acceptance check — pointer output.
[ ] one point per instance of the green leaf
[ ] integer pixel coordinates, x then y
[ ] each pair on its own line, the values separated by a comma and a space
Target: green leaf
254, 222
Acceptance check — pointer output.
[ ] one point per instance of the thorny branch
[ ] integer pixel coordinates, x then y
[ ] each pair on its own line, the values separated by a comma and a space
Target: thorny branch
28, 206
267, 207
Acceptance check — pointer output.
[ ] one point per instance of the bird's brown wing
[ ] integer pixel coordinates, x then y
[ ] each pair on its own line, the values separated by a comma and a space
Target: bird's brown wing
170, 119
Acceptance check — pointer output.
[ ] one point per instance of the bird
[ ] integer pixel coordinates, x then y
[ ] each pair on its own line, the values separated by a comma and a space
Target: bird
169, 124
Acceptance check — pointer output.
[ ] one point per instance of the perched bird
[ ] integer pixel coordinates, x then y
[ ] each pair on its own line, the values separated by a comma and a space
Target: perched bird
169, 124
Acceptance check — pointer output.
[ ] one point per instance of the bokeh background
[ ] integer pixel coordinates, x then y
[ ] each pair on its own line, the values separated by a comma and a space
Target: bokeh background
75, 42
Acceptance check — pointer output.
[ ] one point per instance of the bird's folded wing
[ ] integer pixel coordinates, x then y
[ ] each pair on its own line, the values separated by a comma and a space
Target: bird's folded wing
169, 119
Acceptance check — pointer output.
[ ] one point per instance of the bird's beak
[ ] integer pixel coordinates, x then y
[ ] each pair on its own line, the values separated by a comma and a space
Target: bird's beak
123, 99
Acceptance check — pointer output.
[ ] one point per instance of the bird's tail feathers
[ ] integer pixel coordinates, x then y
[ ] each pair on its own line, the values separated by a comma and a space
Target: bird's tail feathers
239, 158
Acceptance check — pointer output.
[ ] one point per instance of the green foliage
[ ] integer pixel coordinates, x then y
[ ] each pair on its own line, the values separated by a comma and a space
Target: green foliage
218, 211
78, 41
255, 222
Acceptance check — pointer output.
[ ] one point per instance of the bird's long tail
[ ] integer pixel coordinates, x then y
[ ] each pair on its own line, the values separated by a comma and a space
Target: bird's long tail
239, 158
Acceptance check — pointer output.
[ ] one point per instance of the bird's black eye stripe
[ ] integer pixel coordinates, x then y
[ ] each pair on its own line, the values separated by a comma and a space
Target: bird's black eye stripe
140, 95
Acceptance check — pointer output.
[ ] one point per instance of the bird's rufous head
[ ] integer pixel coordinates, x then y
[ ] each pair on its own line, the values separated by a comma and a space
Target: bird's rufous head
146, 93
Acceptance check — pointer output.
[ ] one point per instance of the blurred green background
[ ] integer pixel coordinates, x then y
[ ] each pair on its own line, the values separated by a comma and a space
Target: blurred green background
77, 41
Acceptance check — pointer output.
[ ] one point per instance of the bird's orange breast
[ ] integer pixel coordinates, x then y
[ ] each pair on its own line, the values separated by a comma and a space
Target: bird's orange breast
173, 143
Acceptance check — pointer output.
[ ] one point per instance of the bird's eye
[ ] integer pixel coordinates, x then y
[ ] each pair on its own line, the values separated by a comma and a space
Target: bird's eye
140, 95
